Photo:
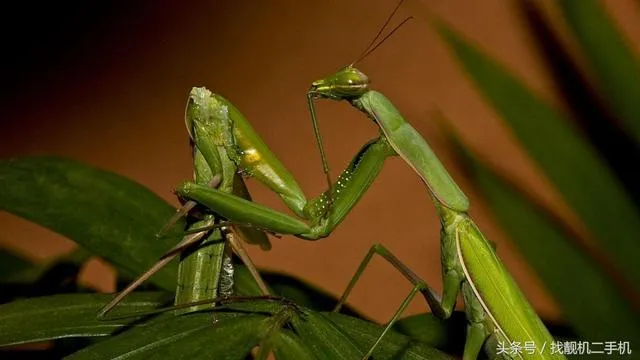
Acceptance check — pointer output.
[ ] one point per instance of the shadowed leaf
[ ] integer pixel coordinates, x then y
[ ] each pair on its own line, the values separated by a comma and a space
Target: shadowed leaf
107, 214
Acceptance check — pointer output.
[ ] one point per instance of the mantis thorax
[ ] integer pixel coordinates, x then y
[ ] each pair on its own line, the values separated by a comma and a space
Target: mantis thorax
448, 217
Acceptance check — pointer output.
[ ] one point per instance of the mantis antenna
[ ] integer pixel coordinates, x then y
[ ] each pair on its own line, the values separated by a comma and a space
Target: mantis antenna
393, 31
373, 45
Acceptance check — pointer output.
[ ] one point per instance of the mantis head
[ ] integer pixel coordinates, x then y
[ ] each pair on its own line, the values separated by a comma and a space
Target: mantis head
197, 97
347, 83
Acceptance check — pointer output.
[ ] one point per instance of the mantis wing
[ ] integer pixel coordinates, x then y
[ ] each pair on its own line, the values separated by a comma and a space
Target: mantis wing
507, 308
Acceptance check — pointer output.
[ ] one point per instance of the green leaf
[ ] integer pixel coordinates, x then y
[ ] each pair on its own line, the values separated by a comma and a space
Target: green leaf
289, 287
338, 336
289, 346
16, 269
260, 305
69, 315
584, 292
325, 338
571, 164
192, 336
393, 345
442, 334
241, 324
55, 277
304, 294
616, 68
107, 214
335, 336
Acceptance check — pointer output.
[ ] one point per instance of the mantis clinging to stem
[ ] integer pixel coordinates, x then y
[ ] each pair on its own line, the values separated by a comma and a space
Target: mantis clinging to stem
206, 270
496, 309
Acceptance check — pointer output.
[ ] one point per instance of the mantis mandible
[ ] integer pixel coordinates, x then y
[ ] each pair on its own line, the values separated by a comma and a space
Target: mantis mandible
496, 309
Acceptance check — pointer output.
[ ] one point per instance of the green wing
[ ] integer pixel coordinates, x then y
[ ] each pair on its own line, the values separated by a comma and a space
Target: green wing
501, 298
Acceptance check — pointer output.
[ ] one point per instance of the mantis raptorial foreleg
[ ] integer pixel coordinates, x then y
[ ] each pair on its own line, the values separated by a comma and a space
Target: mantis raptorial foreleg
345, 193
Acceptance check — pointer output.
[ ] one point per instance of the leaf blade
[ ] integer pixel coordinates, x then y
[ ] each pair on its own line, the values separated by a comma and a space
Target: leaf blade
109, 215
616, 68
569, 162
68, 315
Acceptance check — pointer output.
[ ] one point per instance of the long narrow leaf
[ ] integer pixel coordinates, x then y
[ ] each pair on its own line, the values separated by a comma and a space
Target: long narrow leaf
69, 315
325, 338
616, 68
589, 110
394, 345
109, 215
192, 336
16, 269
579, 174
289, 346
427, 328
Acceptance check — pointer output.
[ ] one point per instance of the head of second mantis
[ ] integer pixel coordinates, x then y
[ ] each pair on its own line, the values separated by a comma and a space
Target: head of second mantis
347, 83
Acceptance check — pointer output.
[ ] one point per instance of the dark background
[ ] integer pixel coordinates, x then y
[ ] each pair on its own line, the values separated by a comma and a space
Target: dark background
106, 83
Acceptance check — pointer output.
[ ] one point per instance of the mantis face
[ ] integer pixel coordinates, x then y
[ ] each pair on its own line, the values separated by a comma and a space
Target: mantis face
345, 84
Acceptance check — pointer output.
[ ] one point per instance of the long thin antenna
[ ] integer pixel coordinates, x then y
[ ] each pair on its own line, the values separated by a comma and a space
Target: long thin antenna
393, 31
384, 26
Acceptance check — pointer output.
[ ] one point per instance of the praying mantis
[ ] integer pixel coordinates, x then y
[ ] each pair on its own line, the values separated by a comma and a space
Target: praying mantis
496, 309
206, 270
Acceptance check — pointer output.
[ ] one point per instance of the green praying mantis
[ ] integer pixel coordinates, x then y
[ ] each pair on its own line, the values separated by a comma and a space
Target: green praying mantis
206, 269
497, 311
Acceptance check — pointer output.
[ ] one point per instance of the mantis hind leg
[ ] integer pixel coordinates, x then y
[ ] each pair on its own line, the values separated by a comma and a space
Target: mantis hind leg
478, 333
238, 249
441, 306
